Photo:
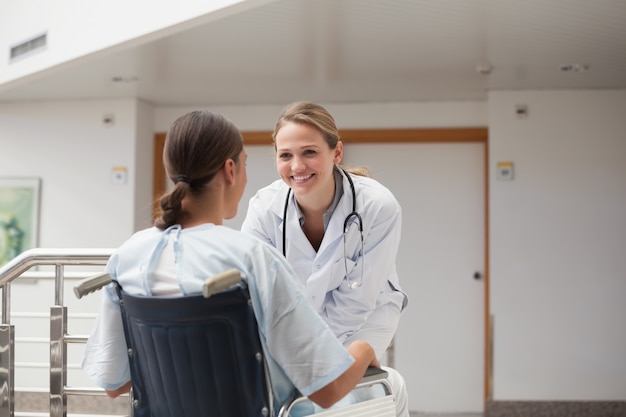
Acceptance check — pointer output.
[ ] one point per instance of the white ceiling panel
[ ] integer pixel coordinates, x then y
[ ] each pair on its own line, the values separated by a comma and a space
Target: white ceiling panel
357, 51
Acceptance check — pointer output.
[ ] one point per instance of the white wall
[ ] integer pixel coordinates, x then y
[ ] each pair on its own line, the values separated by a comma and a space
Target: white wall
558, 245
67, 145
351, 116
144, 159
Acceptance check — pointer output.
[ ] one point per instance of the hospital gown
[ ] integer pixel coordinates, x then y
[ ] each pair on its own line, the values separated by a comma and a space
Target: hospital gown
301, 350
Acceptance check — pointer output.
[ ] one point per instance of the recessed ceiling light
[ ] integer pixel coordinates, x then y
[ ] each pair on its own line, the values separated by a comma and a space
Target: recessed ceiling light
484, 69
574, 68
124, 79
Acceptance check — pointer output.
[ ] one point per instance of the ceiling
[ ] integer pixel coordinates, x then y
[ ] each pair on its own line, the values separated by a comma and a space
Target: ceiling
356, 51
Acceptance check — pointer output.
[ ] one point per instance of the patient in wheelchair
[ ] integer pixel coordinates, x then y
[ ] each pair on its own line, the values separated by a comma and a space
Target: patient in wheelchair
205, 158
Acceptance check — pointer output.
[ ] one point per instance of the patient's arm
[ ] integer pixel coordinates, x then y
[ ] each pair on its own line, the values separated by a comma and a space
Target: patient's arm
364, 356
121, 390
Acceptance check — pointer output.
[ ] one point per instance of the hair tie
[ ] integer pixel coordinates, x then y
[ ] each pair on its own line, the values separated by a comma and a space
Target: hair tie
182, 178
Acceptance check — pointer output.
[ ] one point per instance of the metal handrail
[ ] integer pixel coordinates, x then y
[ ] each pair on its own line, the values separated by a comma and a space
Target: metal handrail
46, 257
59, 258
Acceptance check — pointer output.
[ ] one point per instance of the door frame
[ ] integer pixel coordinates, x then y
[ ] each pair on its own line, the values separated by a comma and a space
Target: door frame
444, 135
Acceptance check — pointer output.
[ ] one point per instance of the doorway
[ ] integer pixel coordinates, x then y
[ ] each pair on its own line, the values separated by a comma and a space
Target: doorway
439, 348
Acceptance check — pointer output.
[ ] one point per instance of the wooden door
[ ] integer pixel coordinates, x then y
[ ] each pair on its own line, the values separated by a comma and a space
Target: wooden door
439, 347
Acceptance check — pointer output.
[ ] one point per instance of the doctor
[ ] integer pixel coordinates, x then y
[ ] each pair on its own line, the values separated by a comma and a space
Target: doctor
339, 231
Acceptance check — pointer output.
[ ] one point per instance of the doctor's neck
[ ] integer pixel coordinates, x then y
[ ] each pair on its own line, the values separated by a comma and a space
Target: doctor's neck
316, 204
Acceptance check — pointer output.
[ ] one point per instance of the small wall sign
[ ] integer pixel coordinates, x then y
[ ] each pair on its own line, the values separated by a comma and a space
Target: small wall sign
505, 171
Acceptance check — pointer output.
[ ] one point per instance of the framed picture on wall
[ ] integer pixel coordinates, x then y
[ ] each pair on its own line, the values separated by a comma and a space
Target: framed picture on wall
19, 216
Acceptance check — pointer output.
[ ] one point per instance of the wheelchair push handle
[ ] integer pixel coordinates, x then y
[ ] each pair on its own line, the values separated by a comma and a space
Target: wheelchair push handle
211, 286
91, 284
220, 282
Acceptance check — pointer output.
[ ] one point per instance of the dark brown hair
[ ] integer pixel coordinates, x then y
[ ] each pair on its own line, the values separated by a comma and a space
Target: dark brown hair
196, 147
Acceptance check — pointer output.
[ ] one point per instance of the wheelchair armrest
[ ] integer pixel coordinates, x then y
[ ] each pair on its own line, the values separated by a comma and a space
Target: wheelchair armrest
91, 284
373, 374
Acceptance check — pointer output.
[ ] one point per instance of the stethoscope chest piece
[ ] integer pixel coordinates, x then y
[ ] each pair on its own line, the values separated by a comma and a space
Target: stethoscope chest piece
355, 285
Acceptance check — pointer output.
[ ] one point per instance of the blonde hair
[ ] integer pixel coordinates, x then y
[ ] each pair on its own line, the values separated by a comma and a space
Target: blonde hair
314, 115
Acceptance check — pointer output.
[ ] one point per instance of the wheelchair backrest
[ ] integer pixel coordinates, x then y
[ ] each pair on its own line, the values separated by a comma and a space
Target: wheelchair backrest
194, 356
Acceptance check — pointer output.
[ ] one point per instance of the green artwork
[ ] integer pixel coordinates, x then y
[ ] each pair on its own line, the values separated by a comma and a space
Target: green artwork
19, 205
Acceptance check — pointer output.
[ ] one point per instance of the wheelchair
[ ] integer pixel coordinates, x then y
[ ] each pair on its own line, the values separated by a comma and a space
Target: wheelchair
201, 355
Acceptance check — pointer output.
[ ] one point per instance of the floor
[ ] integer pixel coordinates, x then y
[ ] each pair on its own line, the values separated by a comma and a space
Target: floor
37, 403
415, 414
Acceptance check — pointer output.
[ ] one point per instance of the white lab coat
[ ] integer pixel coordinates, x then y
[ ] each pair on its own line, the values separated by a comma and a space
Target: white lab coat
370, 312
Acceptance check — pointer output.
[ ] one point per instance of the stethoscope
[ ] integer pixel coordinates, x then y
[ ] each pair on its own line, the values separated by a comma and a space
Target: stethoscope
346, 226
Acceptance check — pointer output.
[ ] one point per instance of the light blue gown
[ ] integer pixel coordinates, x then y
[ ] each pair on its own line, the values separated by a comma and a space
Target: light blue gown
301, 350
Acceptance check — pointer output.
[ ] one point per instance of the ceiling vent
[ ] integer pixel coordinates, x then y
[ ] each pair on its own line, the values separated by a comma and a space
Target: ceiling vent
36, 44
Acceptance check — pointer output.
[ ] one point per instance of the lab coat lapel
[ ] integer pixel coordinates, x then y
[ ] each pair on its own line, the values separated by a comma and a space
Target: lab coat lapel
297, 243
334, 231
331, 250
